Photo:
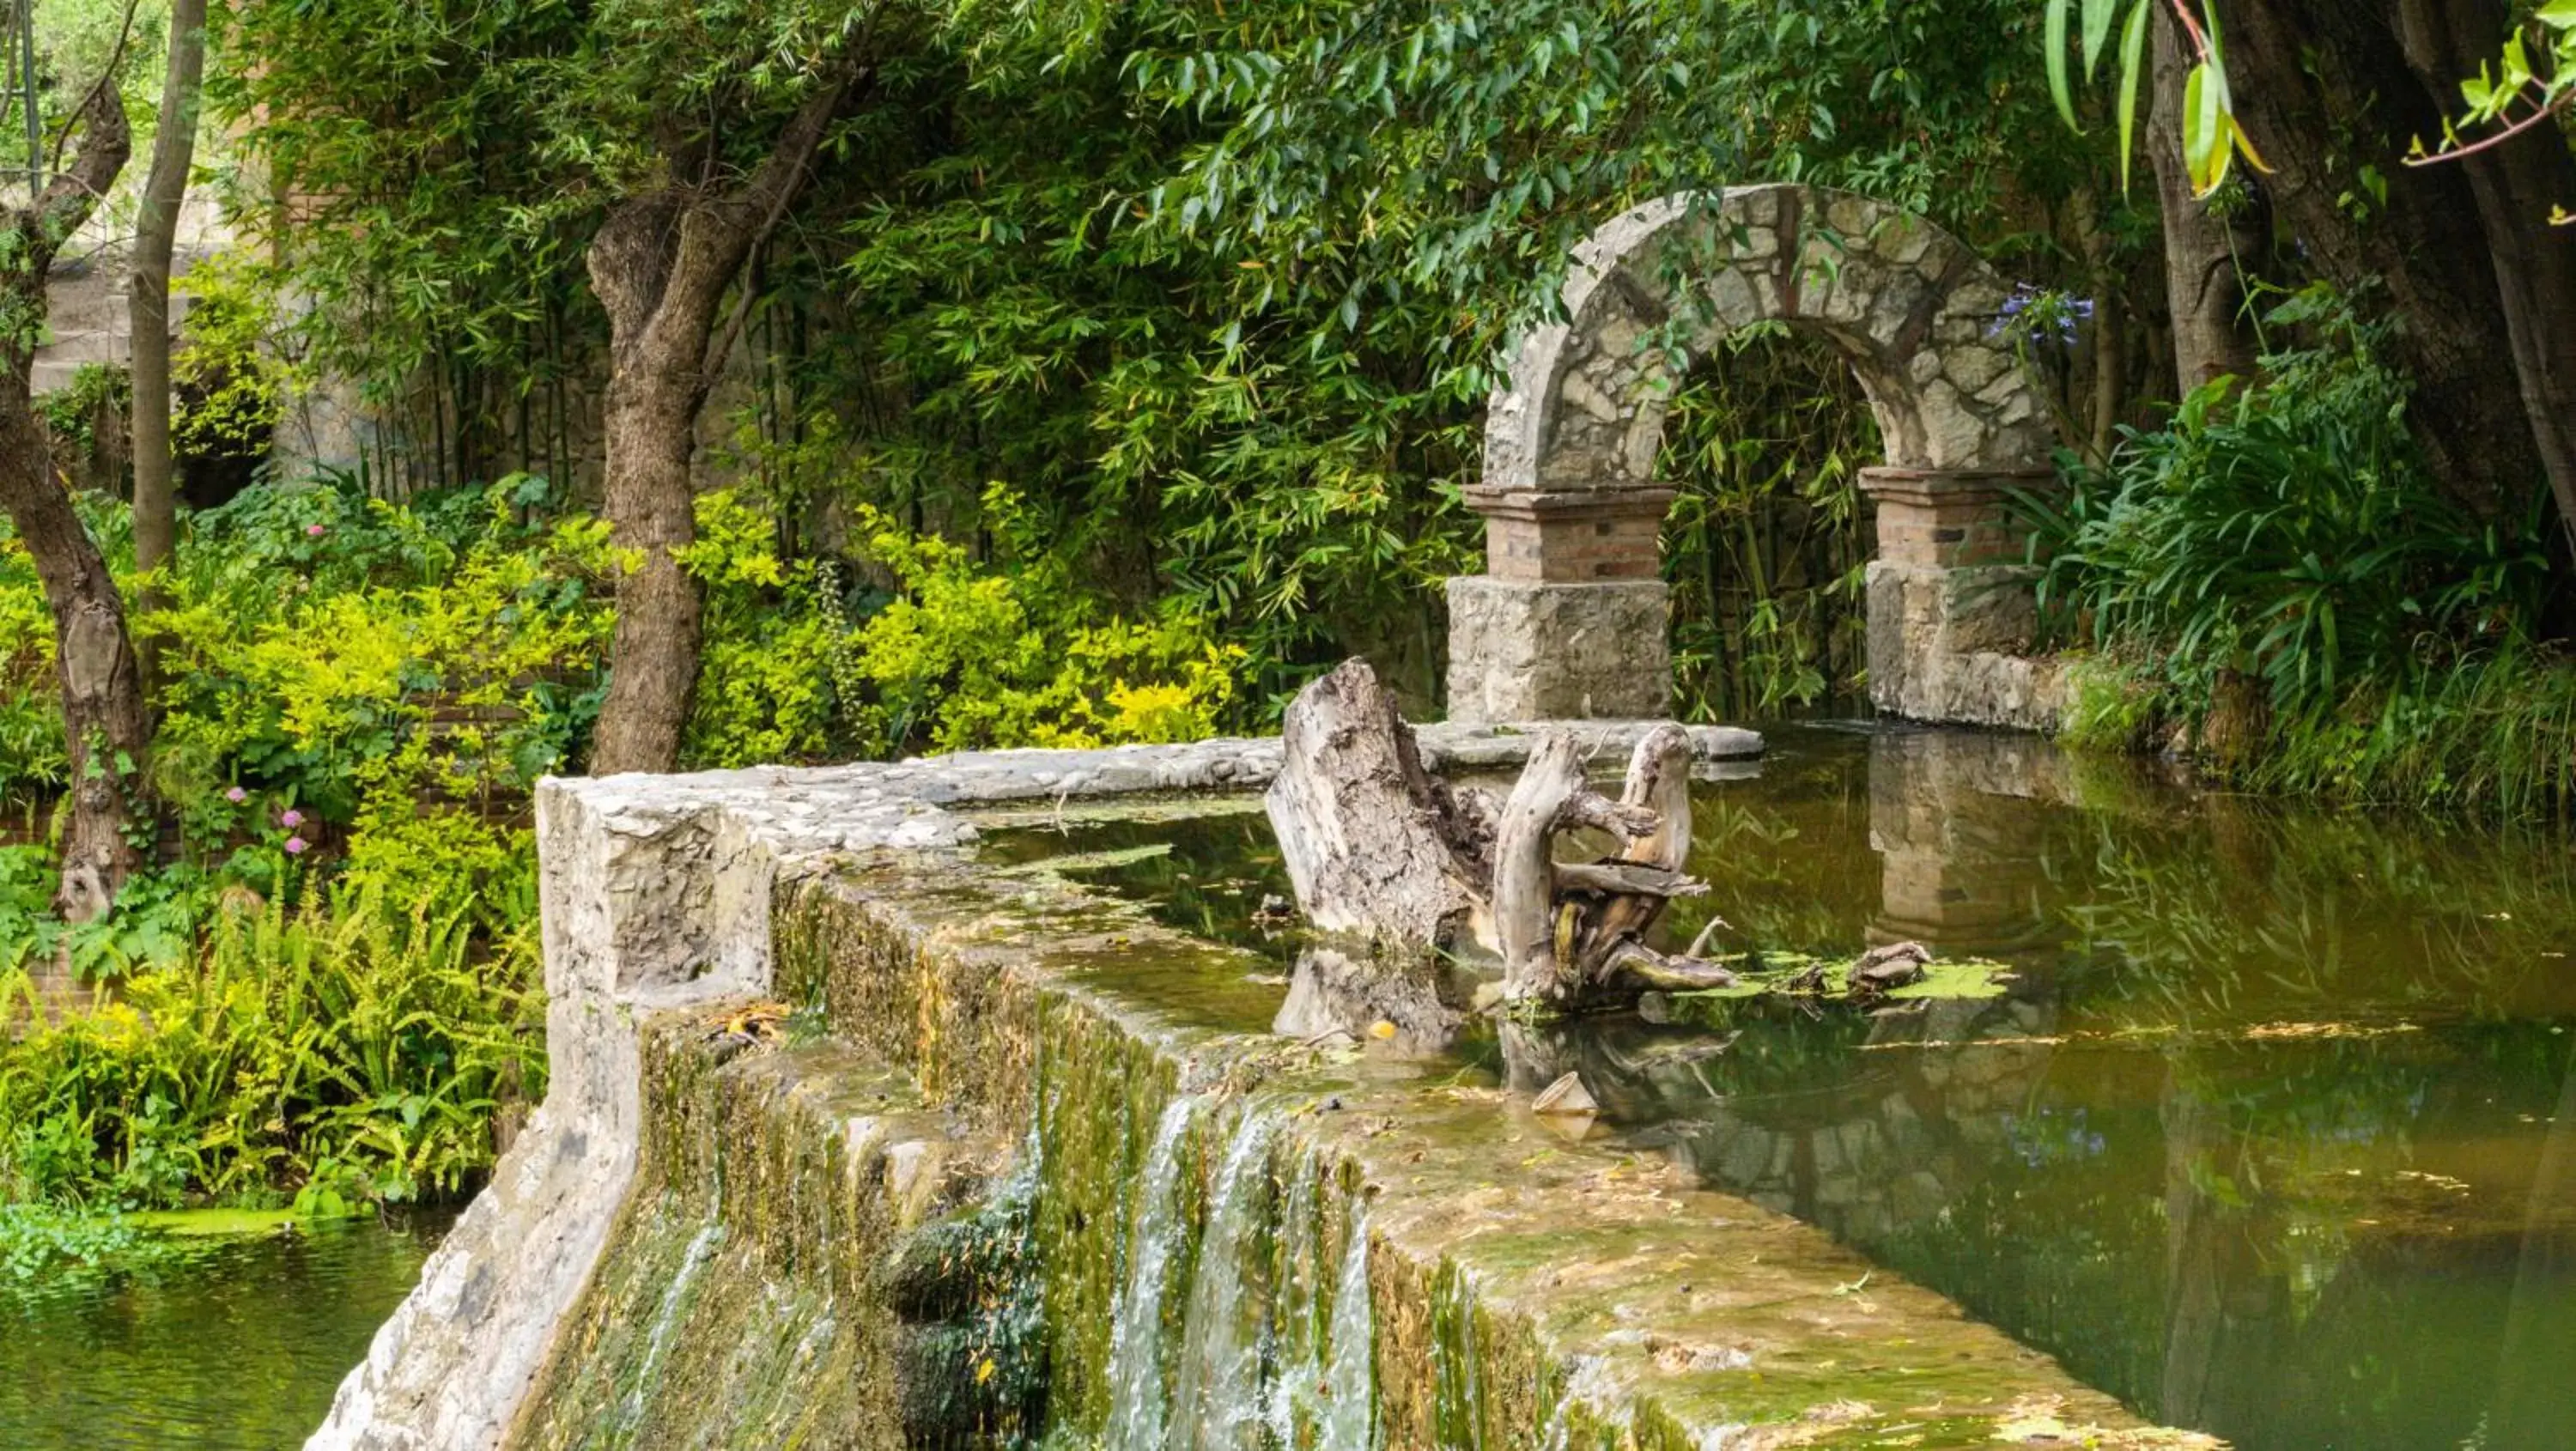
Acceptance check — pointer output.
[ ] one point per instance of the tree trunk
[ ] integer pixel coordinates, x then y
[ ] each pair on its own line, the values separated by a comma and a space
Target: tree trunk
661, 265
156, 231
2462, 247
105, 725
2517, 186
2204, 251
649, 429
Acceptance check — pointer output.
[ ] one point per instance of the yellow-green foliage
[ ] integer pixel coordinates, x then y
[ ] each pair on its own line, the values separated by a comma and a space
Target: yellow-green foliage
31, 730
230, 370
764, 692
337, 648
969, 655
351, 1045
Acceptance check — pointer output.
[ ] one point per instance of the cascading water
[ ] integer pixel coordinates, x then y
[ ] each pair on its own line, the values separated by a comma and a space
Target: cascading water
1457, 1394
702, 1247
1272, 1346
1216, 1403
1349, 1414
1137, 1409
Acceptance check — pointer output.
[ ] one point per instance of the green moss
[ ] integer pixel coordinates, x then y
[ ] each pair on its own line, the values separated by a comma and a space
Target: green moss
1525, 1292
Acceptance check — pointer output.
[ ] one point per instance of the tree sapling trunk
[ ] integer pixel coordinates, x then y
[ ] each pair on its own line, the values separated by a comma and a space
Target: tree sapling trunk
156, 232
662, 265
105, 725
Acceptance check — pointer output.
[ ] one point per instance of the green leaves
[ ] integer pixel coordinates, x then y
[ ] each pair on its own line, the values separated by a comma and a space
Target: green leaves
2097, 30
2097, 18
2133, 69
2211, 138
2058, 86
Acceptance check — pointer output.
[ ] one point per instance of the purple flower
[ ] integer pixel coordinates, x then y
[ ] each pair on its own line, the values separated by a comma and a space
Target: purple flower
237, 796
314, 531
295, 845
290, 818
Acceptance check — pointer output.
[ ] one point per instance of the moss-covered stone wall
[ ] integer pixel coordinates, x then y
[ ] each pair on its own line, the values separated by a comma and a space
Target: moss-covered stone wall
1524, 1291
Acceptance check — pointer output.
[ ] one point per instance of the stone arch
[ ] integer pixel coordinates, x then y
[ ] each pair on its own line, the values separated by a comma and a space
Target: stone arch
1569, 619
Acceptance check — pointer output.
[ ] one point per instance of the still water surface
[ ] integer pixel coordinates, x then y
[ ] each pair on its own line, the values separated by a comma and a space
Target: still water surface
237, 1350
2274, 1134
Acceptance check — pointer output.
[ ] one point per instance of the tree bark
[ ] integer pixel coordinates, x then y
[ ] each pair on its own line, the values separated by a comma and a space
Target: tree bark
662, 265
1375, 847
156, 232
2204, 250
105, 725
2463, 247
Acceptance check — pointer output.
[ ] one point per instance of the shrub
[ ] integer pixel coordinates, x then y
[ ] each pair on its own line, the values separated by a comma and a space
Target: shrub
2285, 529
966, 656
352, 1044
2275, 584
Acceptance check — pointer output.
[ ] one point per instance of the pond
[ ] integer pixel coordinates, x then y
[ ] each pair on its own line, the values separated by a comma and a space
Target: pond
2273, 1133
237, 1346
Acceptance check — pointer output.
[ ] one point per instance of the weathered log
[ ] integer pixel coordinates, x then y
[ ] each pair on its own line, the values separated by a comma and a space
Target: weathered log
1616, 878
1378, 848
1374, 845
1574, 933
1659, 782
1550, 798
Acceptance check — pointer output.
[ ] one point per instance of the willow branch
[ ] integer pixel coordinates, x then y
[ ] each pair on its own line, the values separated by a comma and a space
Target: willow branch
2542, 117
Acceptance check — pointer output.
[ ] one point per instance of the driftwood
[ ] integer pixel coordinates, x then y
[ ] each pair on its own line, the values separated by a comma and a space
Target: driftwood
1377, 847
1572, 933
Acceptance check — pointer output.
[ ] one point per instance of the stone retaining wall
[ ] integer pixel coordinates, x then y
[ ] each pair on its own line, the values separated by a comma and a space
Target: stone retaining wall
1527, 1292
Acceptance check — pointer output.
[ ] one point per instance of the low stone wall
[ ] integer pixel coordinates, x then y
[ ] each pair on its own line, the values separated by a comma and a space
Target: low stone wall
1524, 1291
656, 895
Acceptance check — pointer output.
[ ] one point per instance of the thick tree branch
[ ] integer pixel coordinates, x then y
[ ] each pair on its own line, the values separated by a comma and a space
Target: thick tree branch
106, 144
775, 187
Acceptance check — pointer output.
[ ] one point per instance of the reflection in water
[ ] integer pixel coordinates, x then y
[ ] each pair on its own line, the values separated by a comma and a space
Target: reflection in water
2274, 1136
1405, 1007
237, 1351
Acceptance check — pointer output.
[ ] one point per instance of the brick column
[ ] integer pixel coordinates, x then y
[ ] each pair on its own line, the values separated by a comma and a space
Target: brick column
1948, 595
1570, 619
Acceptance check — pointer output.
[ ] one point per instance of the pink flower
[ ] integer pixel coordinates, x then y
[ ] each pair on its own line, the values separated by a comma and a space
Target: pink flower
295, 845
290, 818
314, 531
237, 796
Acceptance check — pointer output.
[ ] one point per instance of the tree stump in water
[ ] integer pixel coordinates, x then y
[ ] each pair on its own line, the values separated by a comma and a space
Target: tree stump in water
1374, 845
1378, 848
1573, 933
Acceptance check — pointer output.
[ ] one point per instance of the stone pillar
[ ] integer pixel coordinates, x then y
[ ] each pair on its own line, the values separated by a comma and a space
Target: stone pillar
1950, 606
1570, 619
